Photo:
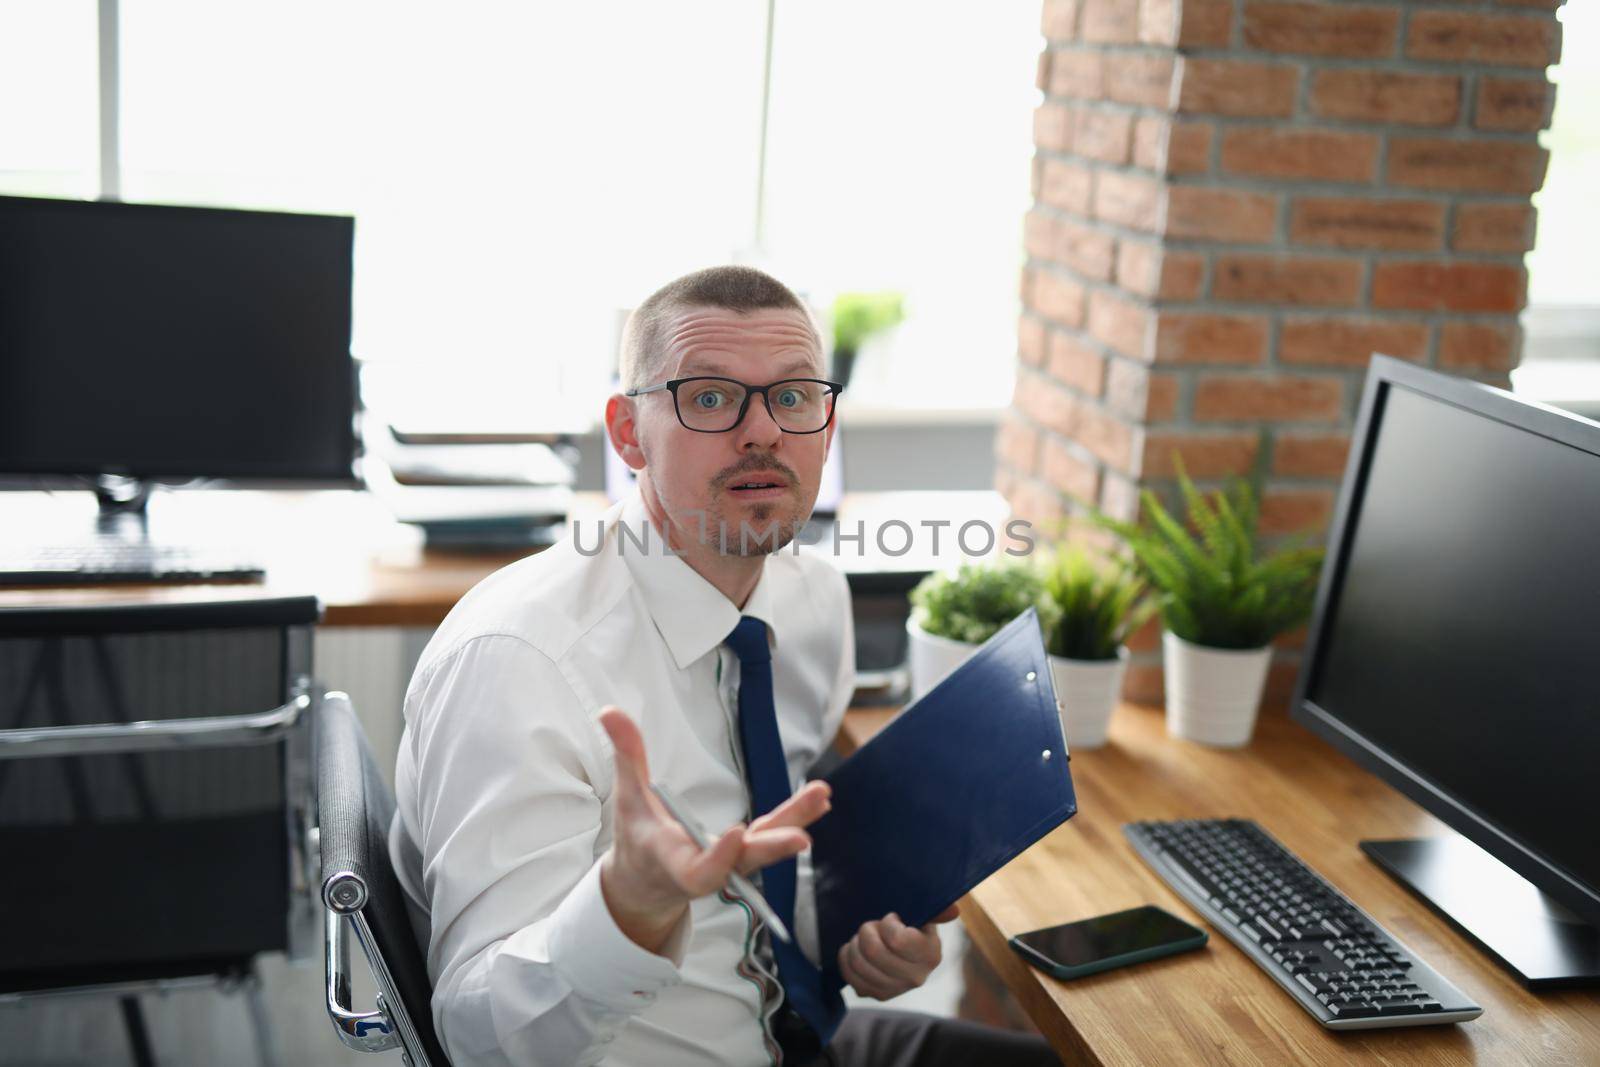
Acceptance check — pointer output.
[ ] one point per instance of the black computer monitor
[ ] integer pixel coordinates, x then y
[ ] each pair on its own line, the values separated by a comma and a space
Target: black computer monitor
153, 341
1455, 652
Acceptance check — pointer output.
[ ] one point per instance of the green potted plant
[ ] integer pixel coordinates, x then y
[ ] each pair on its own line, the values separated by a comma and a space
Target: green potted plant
1222, 602
1099, 601
856, 317
952, 614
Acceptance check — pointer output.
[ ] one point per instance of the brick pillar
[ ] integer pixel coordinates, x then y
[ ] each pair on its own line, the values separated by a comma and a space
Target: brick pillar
1236, 202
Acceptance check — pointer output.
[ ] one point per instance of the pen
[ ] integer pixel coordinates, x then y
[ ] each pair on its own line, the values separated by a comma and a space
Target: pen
737, 883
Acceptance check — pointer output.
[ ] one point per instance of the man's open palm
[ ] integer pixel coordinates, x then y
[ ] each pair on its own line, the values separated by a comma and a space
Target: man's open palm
654, 868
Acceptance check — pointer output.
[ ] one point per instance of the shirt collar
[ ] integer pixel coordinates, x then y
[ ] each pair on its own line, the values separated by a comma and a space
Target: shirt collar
691, 614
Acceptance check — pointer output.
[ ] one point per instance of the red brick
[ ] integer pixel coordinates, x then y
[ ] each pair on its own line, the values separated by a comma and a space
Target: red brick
1121, 324
1189, 148
1352, 222
1480, 346
1103, 135
1199, 213
1295, 510
1349, 342
1128, 200
1074, 363
1088, 251
1057, 298
1052, 127
1469, 166
1181, 276
1383, 96
1205, 23
1110, 21
1310, 455
1475, 37
1139, 78
1039, 235
1076, 73
1058, 21
1139, 266
1288, 398
1135, 392
1112, 441
1237, 87
1144, 268
1204, 455
1197, 337
1142, 683
1066, 186
1150, 136
1017, 443
1041, 72
1046, 403
1036, 503
1493, 228
1068, 471
1147, 638
1278, 279
1031, 341
1321, 29
1448, 286
1520, 104
1158, 21
1321, 155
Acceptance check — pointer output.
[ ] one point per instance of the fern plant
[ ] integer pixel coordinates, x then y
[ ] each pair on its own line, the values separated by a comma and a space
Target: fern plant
1212, 589
1098, 602
856, 317
975, 602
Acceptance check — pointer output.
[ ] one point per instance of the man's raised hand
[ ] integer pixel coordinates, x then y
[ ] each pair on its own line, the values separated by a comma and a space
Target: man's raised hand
654, 869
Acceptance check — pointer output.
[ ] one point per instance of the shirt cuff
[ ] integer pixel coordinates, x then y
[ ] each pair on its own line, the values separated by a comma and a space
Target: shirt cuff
600, 962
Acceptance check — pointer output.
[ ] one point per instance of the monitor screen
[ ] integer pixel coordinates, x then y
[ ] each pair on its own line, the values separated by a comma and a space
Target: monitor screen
1459, 639
157, 341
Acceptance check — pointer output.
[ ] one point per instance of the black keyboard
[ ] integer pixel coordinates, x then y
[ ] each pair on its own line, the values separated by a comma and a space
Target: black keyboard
103, 562
1342, 967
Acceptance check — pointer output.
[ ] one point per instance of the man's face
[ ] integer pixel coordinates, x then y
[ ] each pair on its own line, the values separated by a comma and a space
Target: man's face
697, 478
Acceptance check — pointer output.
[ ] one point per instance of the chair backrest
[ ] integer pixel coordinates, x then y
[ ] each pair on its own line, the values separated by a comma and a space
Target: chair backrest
167, 848
354, 809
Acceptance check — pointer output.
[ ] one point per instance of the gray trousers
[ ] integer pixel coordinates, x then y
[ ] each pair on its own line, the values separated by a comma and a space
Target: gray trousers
882, 1037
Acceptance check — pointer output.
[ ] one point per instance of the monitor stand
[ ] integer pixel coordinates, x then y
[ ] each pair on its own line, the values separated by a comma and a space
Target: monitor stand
1529, 933
124, 513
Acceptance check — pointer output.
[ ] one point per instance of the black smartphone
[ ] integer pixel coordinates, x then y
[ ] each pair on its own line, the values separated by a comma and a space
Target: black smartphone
1089, 946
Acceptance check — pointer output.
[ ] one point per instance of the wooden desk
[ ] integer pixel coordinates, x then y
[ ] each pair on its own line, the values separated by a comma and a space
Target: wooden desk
1216, 1005
341, 546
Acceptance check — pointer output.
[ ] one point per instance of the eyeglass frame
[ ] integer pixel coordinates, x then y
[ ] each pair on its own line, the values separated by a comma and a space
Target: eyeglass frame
672, 384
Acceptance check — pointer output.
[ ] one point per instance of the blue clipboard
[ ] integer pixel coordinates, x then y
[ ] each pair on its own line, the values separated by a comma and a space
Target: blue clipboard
949, 792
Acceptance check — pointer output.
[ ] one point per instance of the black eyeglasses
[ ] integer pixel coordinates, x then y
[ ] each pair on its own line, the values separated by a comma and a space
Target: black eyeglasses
709, 404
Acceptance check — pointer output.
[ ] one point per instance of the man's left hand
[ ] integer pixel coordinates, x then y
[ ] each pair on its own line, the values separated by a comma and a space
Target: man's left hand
887, 957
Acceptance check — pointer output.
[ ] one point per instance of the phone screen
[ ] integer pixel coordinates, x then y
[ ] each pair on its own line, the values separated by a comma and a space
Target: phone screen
1104, 936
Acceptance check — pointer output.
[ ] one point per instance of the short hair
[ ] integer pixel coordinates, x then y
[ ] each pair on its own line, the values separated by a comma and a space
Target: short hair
730, 288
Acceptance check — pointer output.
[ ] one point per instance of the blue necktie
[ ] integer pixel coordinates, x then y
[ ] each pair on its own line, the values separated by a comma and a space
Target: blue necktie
768, 774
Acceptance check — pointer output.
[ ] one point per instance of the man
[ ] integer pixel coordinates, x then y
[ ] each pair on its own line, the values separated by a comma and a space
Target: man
569, 918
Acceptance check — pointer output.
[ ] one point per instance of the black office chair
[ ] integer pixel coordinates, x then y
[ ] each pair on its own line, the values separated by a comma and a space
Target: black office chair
361, 894
155, 799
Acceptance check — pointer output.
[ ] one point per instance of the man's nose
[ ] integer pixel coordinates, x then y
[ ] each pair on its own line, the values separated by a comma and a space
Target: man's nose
758, 427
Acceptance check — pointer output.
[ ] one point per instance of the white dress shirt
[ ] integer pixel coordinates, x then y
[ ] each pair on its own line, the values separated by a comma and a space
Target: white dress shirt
505, 787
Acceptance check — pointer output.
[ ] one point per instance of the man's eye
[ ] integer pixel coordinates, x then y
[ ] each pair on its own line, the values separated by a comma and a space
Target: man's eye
709, 400
791, 398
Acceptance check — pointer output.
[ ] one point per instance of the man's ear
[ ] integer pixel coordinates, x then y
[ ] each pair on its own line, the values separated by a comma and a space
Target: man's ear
622, 427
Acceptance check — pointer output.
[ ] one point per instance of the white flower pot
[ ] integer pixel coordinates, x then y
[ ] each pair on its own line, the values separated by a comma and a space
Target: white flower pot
1213, 693
1088, 690
933, 657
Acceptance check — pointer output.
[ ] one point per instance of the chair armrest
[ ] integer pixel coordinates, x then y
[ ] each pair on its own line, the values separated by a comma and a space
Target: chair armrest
364, 1031
153, 734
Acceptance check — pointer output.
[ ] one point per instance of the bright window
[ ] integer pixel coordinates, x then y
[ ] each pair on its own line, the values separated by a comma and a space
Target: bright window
522, 173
